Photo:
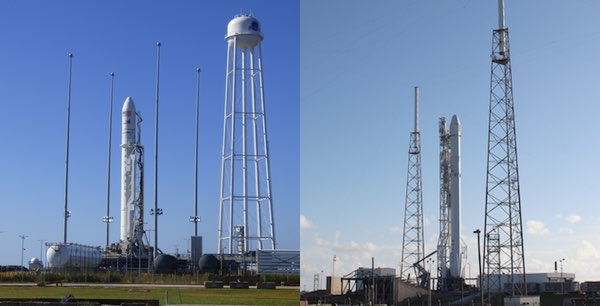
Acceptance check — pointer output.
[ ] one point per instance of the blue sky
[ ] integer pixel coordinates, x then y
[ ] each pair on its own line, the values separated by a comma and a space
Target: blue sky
360, 61
120, 37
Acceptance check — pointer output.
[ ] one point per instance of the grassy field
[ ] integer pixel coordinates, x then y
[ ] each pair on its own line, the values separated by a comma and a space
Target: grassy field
176, 295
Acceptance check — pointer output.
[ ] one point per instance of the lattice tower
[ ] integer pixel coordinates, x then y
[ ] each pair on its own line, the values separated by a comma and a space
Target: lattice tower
413, 246
504, 259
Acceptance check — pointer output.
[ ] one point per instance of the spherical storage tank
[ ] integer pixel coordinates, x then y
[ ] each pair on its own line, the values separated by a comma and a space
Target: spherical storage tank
165, 263
246, 29
35, 264
209, 263
71, 255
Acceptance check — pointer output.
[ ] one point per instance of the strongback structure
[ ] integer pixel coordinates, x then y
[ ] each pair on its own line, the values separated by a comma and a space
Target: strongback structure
503, 235
413, 246
443, 246
246, 212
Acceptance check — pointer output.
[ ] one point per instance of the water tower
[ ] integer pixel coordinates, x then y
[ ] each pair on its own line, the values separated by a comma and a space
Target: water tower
246, 211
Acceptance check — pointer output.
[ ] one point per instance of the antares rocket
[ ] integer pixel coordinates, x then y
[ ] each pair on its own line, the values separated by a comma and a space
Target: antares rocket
131, 176
60, 255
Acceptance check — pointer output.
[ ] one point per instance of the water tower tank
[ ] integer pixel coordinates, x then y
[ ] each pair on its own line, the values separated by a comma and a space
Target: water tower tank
246, 29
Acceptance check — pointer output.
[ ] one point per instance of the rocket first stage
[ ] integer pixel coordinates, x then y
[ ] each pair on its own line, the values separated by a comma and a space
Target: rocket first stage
131, 150
455, 197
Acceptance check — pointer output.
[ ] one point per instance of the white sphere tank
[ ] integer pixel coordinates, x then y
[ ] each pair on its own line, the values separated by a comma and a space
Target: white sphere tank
247, 30
35, 264
71, 255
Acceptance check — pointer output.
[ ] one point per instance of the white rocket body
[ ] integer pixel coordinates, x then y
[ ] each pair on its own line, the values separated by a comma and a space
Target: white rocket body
455, 197
128, 143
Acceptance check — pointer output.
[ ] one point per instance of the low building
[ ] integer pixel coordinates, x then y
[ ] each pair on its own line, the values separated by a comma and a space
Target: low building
541, 282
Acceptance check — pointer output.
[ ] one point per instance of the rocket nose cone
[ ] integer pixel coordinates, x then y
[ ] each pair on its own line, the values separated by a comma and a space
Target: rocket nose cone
454, 124
455, 120
129, 105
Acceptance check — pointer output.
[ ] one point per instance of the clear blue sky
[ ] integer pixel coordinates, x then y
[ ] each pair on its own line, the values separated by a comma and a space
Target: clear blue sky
360, 61
120, 37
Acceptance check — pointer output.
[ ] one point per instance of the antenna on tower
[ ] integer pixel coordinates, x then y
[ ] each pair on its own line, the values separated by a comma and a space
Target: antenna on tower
501, 25
416, 109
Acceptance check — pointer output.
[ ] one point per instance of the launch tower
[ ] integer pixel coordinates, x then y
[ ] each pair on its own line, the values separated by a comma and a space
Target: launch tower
504, 259
413, 246
443, 247
246, 212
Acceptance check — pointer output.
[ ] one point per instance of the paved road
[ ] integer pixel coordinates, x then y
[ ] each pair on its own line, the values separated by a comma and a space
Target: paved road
125, 285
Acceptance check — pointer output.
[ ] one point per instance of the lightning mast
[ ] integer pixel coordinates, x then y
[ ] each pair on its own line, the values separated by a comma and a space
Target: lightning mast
504, 259
413, 246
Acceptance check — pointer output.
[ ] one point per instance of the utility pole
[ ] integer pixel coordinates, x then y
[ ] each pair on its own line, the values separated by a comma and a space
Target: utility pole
22, 254
42, 251
562, 279
478, 232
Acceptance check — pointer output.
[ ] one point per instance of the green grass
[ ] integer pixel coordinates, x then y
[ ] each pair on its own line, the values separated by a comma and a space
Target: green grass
176, 295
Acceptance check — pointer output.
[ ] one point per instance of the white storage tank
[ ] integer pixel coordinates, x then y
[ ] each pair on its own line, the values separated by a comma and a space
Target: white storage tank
246, 29
72, 255
35, 264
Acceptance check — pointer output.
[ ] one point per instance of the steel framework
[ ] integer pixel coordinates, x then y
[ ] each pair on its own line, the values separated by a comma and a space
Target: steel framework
246, 211
504, 258
443, 246
413, 246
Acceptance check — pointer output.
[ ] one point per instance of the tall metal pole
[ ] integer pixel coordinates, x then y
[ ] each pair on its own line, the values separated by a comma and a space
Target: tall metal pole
372, 281
196, 217
478, 232
562, 279
22, 253
66, 212
156, 152
42, 251
108, 218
